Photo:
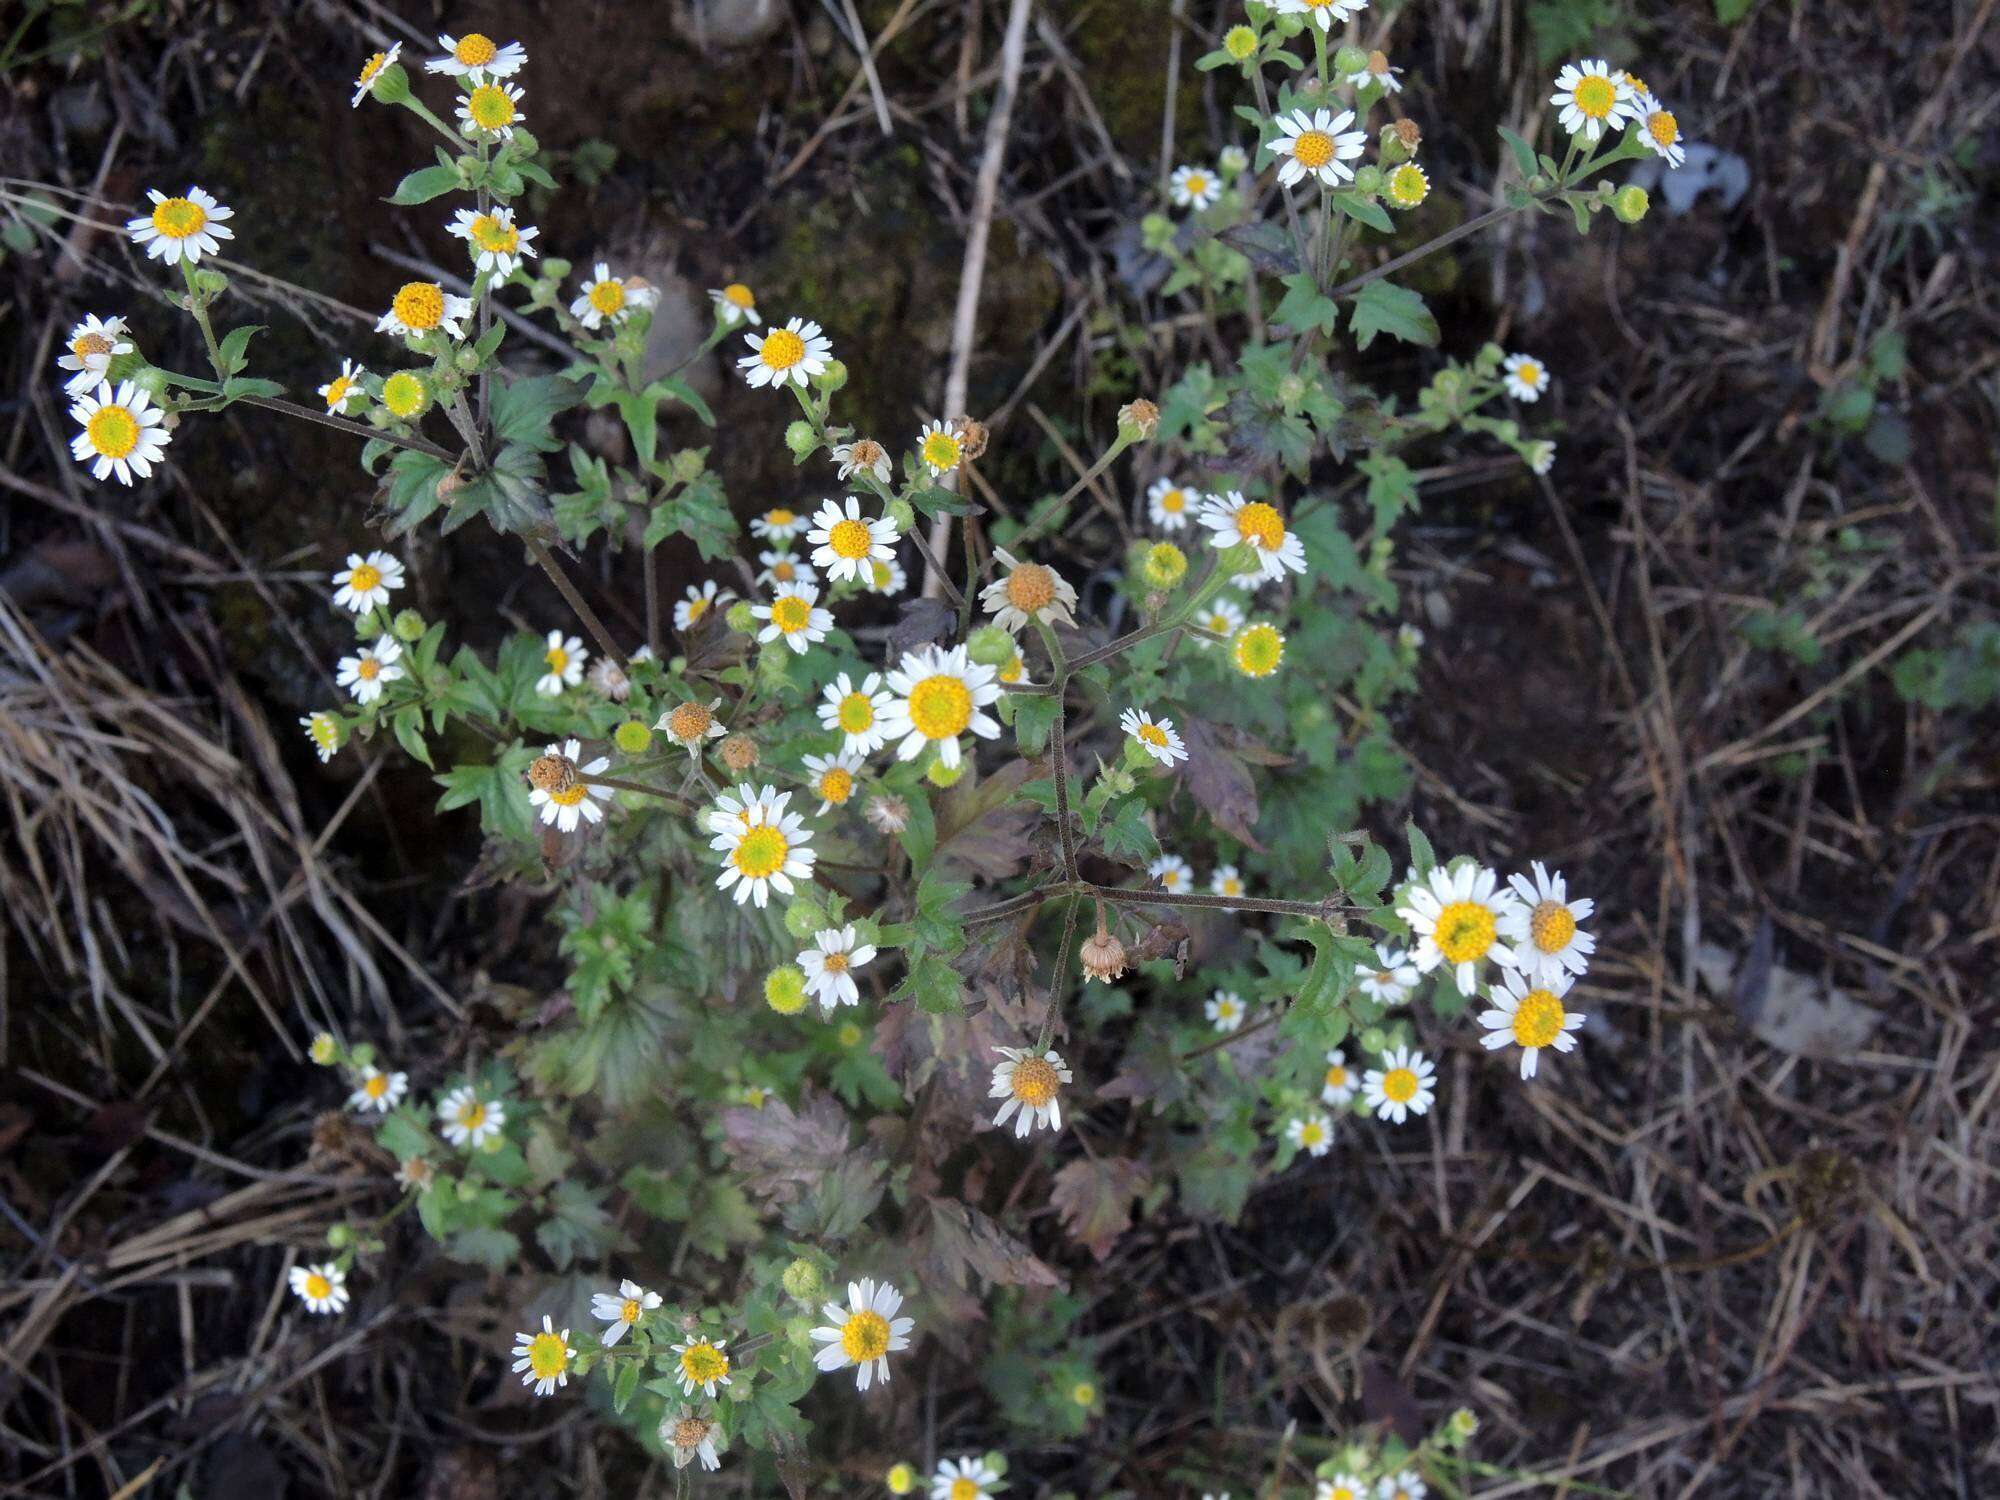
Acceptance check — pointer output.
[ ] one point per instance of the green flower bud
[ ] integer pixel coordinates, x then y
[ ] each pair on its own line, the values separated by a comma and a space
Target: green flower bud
1238, 560
1156, 232
804, 917
555, 268
800, 438
1164, 566
1630, 204
990, 646
368, 626
632, 737
1119, 781
1449, 384
902, 513
1240, 42
408, 626
405, 395
1368, 181
1463, 1423
1291, 390
339, 1236
391, 84
740, 618
324, 1049
1349, 60
1374, 1039
688, 464
937, 773
467, 1189
524, 145
833, 377
785, 989
466, 359
803, 1283
210, 283
849, 1036
151, 380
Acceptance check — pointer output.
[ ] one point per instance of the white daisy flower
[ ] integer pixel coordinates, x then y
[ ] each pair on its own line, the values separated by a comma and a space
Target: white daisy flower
1592, 101
940, 447
184, 228
1337, 1087
1342, 1487
734, 304
701, 598
939, 695
846, 544
1158, 739
608, 678
783, 570
92, 345
691, 725
1323, 13
345, 389
968, 1478
1392, 979
421, 307
1530, 1018
857, 712
564, 658
1541, 455
367, 582
1658, 128
1403, 1485
887, 577
1232, 161
745, 808
1317, 145
621, 1311
607, 297
775, 849
690, 1437
557, 787
491, 111
497, 243
365, 673
1546, 928
1193, 187
1311, 1133
832, 778
378, 1091
1377, 72
863, 456
323, 729
469, 1121
1525, 377
1030, 591
1173, 873
1401, 1087
864, 1333
1458, 916
1225, 1010
1253, 523
702, 1363
542, 1359
476, 56
795, 617
1223, 617
829, 966
372, 70
1226, 881
1169, 505
122, 432
1030, 1082
797, 352
322, 1288
1258, 650
779, 524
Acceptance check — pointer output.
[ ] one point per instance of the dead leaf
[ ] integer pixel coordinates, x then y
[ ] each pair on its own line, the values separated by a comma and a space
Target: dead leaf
959, 1241
920, 623
1094, 1197
1153, 1073
781, 1151
1218, 780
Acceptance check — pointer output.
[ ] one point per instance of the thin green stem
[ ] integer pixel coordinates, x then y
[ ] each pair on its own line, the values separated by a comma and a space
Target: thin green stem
356, 429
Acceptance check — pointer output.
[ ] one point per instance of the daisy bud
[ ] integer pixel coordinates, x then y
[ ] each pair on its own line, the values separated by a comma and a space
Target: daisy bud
408, 626
1138, 420
1463, 1423
466, 359
901, 1479
902, 513
367, 627
324, 1049
785, 989
1354, 60
1448, 384
152, 381
210, 283
803, 1283
801, 439
339, 1236
1292, 387
833, 377
806, 916
1630, 204
990, 646
1119, 781
887, 814
940, 774
688, 464
1102, 957
1368, 181
738, 752
1156, 233
971, 437
741, 618
1374, 1039
1240, 42
1165, 565
1084, 1394
632, 737
391, 85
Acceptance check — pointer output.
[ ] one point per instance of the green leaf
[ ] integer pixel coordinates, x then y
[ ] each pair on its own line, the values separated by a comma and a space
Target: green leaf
626, 1382
1305, 306
525, 410
425, 184
1034, 718
1422, 860
1524, 154
238, 386
408, 725
935, 986
1366, 211
919, 835
495, 1249
1382, 307
1729, 12
234, 345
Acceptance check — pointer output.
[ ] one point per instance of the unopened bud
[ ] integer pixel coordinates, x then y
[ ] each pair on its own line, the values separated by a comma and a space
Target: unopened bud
937, 773
742, 618
803, 1283
1630, 204
408, 626
1138, 420
1240, 42
800, 438
1351, 60
632, 737
833, 377
990, 646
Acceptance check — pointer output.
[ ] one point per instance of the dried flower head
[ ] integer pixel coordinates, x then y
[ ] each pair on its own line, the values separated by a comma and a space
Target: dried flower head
1102, 956
971, 436
887, 814
1141, 416
738, 752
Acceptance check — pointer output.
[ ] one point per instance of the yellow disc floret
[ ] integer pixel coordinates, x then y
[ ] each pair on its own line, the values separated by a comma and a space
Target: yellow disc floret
1538, 1019
179, 218
1399, 1085
851, 540
1551, 925
113, 431
1313, 149
1464, 931
762, 852
865, 1336
940, 707
419, 306
782, 349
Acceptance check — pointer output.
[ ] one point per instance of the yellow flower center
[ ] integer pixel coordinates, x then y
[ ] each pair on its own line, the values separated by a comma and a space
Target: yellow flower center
474, 50
1035, 1081
1231, 886
317, 1286
836, 785
558, 660
850, 1035
851, 540
781, 349
865, 1336
376, 1086
1173, 502
1225, 1010
113, 431
856, 713
1551, 925
1528, 373
834, 963
608, 296
177, 218
370, 68
570, 795
964, 1489
1013, 669
1663, 128
696, 608
783, 570
337, 389
1313, 150
1259, 649
629, 1310
1636, 84
1311, 1133
472, 1114
403, 393
1378, 62
1464, 931
941, 450
761, 853
780, 518
689, 722
489, 107
1197, 184
689, 1432
363, 578
1031, 587
419, 306
90, 345
496, 235
1538, 1019
704, 1363
739, 295
1153, 735
548, 1355
368, 669
790, 613
1336, 1077
1261, 526
1399, 1085
940, 707
1408, 186
1083, 1393
1595, 95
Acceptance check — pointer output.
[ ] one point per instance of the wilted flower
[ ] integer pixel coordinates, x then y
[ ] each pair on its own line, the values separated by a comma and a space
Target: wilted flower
621, 1312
